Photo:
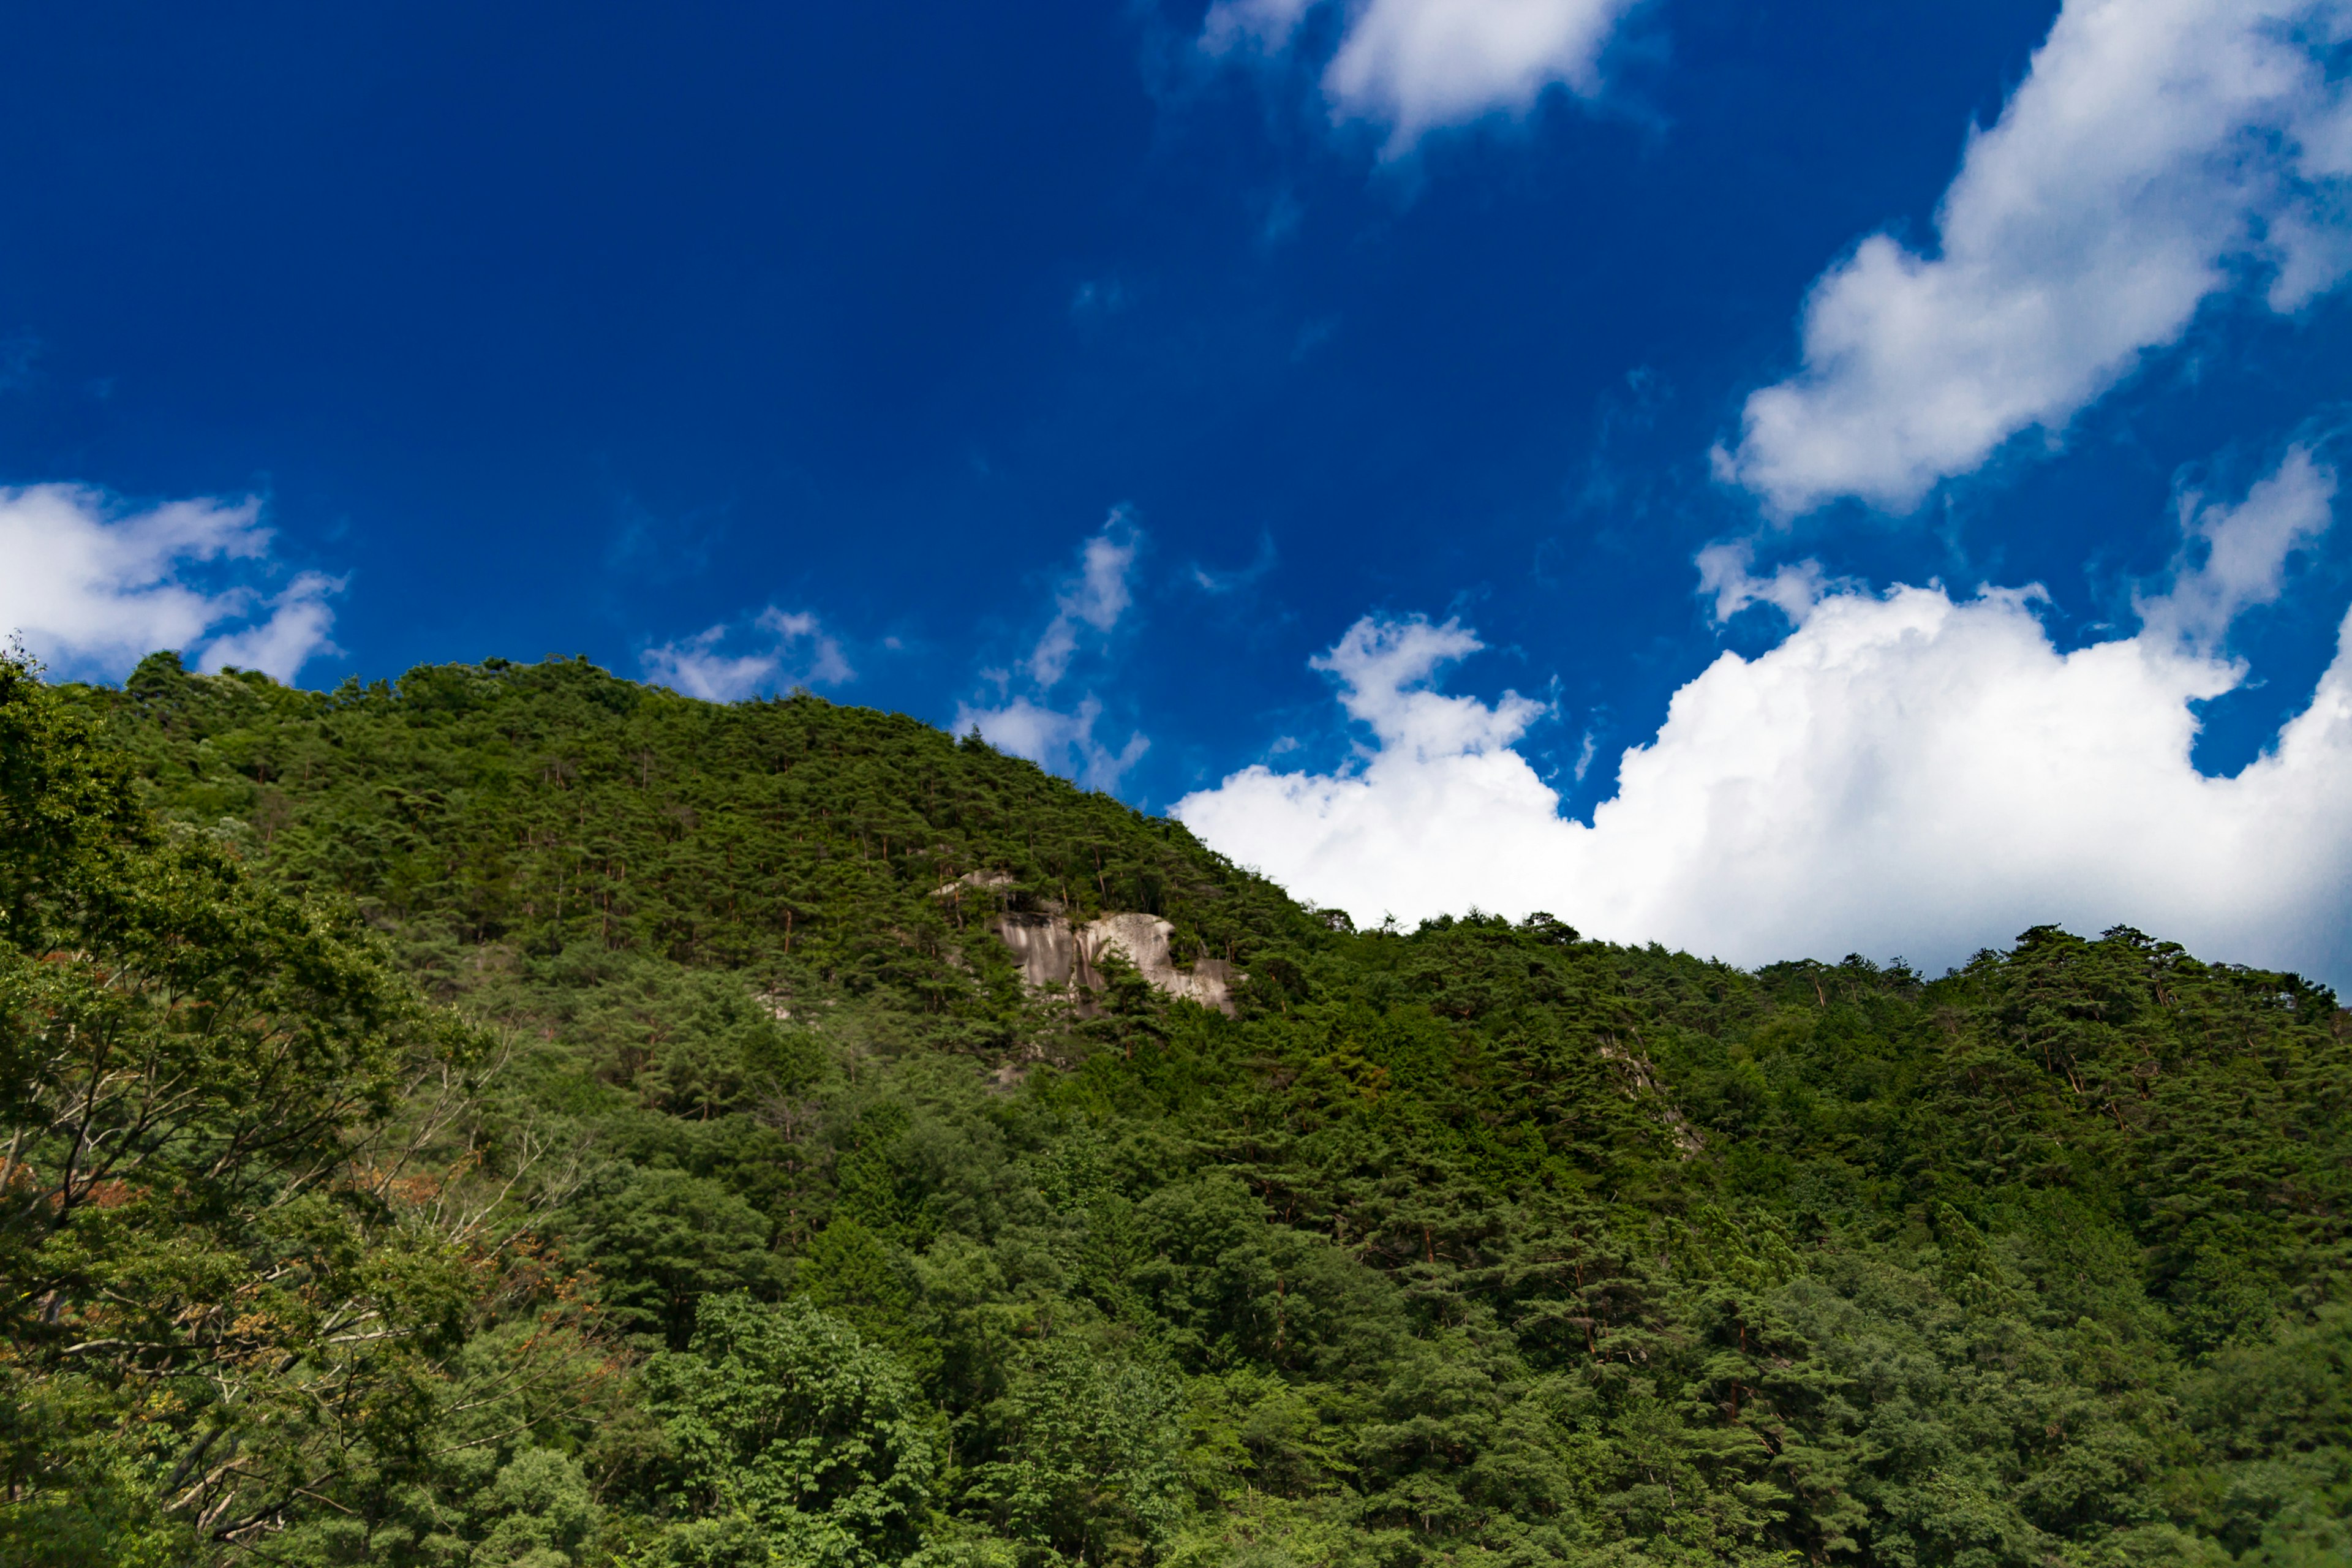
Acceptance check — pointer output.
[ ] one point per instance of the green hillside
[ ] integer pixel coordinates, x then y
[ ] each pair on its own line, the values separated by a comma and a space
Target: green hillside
515, 1117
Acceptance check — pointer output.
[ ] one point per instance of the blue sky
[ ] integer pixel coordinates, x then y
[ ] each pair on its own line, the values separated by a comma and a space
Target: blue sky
1088, 372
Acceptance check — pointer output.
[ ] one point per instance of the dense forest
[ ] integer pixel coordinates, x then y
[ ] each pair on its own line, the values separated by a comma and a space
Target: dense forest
511, 1116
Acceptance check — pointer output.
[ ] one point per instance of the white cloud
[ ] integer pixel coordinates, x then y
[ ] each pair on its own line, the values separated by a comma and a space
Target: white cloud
798, 652
822, 663
2157, 151
1722, 573
1905, 773
300, 619
1064, 743
1414, 66
2244, 549
1385, 668
1095, 598
92, 586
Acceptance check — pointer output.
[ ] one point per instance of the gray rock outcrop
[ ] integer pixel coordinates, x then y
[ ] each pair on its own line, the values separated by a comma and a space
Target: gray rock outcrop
1053, 952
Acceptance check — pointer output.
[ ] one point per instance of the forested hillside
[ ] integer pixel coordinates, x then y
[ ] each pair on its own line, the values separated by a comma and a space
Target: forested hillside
511, 1116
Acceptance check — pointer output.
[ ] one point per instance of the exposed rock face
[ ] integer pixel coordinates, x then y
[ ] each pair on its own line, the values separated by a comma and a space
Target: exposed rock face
977, 881
1053, 952
1688, 1139
1045, 946
1142, 939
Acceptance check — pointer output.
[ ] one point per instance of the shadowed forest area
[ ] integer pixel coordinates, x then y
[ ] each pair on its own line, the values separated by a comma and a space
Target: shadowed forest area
514, 1117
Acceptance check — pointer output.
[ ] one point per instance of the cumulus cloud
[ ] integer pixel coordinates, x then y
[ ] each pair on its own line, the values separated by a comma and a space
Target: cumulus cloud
2157, 152
1416, 65
91, 585
1907, 772
779, 650
1385, 668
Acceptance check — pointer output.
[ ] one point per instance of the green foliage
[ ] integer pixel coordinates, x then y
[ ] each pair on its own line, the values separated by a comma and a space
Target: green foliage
551, 805
662, 1242
234, 1283
1088, 1455
511, 1116
788, 1430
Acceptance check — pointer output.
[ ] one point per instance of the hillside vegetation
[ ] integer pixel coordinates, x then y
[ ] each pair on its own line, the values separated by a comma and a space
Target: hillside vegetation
515, 1117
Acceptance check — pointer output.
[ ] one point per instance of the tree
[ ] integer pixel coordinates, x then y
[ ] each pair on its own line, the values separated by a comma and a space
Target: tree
214, 1252
791, 1437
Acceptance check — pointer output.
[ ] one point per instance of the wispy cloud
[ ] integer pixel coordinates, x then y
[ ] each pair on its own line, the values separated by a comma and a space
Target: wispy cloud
1909, 771
1099, 296
2234, 558
299, 620
93, 584
2155, 156
19, 353
1088, 605
1092, 599
1414, 66
1724, 575
1052, 738
663, 547
726, 664
1210, 580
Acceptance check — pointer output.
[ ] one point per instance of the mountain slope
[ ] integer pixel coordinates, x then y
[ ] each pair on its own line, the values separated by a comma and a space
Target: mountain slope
792, 1224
